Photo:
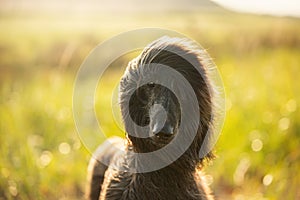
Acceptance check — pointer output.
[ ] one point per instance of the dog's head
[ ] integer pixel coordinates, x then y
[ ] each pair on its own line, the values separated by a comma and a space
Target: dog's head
155, 106
148, 103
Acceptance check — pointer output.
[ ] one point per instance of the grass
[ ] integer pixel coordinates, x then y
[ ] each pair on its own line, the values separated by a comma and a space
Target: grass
41, 155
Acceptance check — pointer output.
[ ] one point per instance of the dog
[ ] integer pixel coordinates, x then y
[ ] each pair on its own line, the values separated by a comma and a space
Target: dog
155, 108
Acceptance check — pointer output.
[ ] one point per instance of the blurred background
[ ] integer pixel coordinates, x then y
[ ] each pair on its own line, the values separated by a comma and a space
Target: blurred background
256, 47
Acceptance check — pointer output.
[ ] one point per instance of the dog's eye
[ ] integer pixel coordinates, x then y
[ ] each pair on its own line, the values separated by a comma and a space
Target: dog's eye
151, 84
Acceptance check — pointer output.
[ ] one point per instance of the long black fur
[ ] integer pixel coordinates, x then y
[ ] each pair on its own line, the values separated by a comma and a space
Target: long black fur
181, 179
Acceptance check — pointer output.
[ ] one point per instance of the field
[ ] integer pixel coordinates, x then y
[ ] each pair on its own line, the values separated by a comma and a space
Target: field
41, 155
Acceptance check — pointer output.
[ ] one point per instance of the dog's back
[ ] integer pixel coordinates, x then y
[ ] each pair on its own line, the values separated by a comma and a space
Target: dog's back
105, 153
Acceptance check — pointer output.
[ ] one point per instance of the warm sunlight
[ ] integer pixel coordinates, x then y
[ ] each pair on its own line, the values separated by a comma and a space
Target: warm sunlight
65, 88
275, 7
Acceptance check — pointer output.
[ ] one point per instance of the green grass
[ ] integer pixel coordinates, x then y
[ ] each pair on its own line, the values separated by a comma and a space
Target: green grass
41, 155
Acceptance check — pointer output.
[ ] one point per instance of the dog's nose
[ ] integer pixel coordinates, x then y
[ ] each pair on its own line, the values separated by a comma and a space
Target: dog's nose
167, 129
160, 121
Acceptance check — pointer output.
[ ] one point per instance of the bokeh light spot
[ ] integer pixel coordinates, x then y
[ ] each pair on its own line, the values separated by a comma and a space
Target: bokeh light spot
257, 145
284, 123
77, 145
45, 159
268, 179
64, 148
291, 105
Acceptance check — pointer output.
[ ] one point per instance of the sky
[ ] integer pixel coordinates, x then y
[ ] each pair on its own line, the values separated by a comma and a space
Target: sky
273, 7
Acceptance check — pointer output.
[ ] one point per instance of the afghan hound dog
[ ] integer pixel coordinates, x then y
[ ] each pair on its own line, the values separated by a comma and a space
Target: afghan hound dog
156, 94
